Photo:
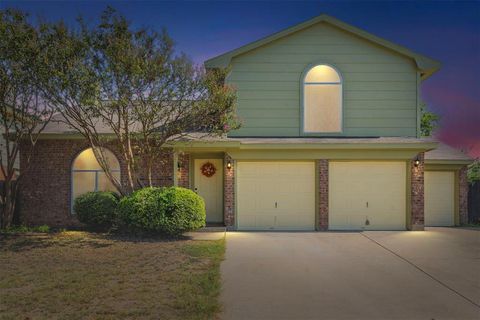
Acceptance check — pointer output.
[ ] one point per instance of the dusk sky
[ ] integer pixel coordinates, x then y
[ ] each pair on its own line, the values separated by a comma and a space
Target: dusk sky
446, 31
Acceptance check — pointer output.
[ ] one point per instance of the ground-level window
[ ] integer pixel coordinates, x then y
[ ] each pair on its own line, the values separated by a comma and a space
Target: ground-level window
87, 175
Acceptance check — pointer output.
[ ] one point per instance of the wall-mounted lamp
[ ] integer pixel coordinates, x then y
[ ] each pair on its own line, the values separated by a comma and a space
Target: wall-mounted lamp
416, 162
229, 165
179, 166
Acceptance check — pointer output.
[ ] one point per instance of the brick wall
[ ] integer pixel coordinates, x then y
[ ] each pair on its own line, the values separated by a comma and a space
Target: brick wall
322, 167
417, 218
45, 192
229, 193
463, 195
183, 171
162, 171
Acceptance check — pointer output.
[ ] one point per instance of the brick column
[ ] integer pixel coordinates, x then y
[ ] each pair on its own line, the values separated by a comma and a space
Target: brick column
229, 193
463, 195
322, 167
183, 170
417, 218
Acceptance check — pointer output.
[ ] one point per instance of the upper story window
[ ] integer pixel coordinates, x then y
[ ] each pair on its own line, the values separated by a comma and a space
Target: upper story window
322, 100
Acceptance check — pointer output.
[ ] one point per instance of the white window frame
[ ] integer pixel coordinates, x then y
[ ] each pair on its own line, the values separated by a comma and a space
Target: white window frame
302, 97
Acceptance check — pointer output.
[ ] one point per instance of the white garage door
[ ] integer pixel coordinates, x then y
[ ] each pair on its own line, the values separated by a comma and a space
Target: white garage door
276, 195
367, 195
439, 198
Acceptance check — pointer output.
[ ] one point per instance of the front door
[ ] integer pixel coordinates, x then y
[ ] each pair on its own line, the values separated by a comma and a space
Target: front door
208, 180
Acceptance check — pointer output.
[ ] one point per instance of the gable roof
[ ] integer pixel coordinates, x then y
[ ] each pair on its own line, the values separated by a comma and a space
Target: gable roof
427, 66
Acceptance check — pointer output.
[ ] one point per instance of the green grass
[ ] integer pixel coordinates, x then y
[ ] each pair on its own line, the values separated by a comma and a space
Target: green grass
80, 275
199, 293
25, 229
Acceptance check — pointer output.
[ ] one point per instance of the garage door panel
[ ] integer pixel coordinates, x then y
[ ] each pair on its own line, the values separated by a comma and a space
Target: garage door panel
289, 185
293, 222
298, 207
367, 195
439, 198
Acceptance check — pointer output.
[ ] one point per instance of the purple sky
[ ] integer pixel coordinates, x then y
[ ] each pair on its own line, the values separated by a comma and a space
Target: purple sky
443, 30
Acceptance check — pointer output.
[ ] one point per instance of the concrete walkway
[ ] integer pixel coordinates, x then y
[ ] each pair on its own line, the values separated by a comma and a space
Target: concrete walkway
370, 275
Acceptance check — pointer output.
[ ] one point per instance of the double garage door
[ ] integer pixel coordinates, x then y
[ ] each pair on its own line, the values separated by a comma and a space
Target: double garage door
281, 195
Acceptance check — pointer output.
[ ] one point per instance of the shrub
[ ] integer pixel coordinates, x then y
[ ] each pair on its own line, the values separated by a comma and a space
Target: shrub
97, 209
168, 211
43, 228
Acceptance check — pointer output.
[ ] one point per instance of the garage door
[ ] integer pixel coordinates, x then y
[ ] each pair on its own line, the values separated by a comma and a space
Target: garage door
276, 195
367, 195
439, 198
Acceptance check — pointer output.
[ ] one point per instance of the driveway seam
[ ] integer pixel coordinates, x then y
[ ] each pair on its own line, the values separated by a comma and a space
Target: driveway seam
421, 270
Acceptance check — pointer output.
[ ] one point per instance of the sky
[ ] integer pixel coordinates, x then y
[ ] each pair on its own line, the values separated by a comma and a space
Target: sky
448, 31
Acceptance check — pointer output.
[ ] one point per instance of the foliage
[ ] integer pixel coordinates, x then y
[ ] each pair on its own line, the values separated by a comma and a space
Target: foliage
167, 211
130, 81
429, 121
24, 109
97, 209
474, 171
26, 229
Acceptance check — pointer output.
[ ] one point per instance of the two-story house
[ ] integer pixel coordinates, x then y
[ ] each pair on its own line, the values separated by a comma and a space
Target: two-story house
330, 141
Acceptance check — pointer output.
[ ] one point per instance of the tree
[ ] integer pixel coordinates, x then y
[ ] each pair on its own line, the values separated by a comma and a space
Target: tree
130, 82
474, 172
429, 121
24, 113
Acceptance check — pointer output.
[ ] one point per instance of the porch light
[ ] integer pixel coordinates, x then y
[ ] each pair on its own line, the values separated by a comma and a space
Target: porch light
416, 162
229, 165
179, 166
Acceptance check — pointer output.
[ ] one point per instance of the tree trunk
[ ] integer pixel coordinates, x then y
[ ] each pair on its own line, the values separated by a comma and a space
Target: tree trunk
8, 204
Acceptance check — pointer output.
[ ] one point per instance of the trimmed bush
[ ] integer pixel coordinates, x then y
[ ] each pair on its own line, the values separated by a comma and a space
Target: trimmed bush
167, 211
97, 209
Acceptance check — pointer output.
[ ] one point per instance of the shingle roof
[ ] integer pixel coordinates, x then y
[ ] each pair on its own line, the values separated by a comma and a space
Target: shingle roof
442, 151
445, 152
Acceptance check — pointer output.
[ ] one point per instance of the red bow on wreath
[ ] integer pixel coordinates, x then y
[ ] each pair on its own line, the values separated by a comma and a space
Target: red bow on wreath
208, 169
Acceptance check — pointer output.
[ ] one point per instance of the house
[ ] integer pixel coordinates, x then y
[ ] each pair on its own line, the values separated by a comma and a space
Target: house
330, 141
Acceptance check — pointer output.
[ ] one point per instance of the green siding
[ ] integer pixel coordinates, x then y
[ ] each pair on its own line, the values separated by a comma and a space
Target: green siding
380, 86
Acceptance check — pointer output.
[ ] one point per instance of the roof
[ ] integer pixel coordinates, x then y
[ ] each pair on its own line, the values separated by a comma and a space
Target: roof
196, 140
444, 153
57, 125
426, 65
439, 152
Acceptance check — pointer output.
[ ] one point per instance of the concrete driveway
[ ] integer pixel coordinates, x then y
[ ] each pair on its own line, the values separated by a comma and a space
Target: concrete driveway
360, 275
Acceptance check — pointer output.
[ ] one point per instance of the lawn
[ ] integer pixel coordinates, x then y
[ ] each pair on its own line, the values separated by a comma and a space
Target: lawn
79, 275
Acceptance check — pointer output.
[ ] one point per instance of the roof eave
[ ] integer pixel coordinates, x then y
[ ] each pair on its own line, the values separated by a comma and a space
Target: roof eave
448, 162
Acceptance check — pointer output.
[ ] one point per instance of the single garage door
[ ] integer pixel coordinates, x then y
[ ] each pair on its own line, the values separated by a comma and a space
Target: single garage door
276, 195
439, 198
367, 195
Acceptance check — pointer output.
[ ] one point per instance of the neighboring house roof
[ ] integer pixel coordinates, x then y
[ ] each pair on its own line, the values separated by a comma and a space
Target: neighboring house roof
426, 65
445, 153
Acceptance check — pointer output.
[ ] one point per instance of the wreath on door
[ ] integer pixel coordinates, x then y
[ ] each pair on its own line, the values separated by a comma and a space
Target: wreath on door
208, 169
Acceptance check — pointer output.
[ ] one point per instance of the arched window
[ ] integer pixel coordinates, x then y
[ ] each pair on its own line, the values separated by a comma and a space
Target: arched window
322, 100
87, 175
